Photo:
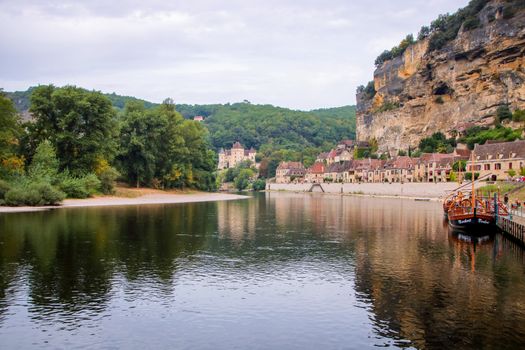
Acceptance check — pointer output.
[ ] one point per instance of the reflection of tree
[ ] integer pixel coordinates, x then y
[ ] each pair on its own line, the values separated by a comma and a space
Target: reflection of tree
417, 282
73, 255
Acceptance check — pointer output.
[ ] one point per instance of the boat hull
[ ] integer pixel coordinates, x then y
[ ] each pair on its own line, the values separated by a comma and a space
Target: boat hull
473, 225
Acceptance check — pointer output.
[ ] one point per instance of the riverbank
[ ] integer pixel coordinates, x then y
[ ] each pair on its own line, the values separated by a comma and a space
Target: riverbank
431, 191
131, 197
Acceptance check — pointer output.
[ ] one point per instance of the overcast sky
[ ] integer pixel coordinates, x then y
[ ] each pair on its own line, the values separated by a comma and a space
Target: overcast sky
301, 54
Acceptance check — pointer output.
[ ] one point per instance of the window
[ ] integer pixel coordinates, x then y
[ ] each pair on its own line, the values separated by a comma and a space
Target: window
510, 165
497, 166
486, 167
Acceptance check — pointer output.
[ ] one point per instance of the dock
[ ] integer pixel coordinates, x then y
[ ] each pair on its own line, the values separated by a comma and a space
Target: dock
513, 227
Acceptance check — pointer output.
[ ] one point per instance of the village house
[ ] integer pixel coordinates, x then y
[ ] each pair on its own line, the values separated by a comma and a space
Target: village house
498, 159
288, 172
315, 173
237, 154
198, 118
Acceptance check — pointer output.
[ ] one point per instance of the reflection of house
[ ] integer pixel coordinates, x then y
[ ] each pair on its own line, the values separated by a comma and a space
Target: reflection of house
499, 159
288, 172
237, 154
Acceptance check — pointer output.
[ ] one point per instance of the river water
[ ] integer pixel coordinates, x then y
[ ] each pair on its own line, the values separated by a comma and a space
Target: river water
276, 271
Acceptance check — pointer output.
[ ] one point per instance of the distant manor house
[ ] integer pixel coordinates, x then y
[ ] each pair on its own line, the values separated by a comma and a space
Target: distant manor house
230, 158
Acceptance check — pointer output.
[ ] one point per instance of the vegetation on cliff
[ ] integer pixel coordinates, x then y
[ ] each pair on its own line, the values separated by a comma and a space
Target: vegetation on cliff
446, 27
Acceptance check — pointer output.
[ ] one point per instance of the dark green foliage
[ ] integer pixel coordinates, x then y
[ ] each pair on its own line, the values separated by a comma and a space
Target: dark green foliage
259, 185
242, 181
437, 143
502, 113
279, 133
9, 127
44, 165
518, 115
481, 135
468, 176
79, 187
423, 33
4, 187
34, 194
159, 146
107, 180
439, 100
80, 125
387, 106
460, 165
401, 153
396, 51
471, 22
368, 92
444, 29
119, 101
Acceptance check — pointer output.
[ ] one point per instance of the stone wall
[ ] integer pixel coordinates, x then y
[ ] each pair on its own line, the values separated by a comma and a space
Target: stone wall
417, 189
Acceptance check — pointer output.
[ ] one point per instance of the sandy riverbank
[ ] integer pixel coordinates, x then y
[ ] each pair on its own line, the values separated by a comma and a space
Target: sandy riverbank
156, 197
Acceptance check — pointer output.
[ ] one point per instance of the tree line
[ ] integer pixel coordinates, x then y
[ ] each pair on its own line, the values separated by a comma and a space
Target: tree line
77, 144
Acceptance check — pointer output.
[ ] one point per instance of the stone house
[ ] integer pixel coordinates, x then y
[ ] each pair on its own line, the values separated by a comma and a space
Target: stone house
288, 172
498, 159
315, 173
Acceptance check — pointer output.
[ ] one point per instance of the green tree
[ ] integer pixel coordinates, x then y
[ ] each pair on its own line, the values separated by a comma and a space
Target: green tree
243, 179
9, 127
79, 124
44, 165
139, 140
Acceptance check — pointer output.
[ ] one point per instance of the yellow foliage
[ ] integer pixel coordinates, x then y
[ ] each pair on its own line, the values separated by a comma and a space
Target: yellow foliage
14, 164
101, 165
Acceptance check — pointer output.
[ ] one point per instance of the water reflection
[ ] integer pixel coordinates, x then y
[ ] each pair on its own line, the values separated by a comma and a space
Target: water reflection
288, 270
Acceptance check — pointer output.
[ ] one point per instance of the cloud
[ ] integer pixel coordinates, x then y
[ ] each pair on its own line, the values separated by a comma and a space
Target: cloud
303, 55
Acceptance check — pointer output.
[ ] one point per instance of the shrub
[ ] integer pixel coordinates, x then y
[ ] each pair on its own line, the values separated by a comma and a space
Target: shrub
439, 100
471, 23
468, 176
80, 187
518, 115
107, 180
503, 112
33, 195
259, 185
4, 188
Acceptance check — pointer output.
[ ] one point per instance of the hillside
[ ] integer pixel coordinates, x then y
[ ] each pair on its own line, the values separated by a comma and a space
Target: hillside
279, 133
455, 76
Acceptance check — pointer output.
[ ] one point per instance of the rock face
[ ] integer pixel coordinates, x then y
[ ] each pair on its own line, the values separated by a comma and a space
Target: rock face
447, 90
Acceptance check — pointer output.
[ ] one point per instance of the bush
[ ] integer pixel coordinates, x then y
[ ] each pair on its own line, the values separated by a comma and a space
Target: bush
503, 112
80, 187
439, 100
4, 188
107, 180
468, 176
259, 185
471, 23
518, 115
33, 195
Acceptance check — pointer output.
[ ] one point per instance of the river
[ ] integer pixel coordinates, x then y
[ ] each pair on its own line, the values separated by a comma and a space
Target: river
276, 271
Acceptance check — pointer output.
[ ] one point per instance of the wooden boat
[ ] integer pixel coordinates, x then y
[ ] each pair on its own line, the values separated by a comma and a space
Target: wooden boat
471, 214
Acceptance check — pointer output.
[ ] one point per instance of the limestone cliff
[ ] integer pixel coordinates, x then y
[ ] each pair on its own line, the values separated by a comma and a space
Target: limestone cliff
446, 90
